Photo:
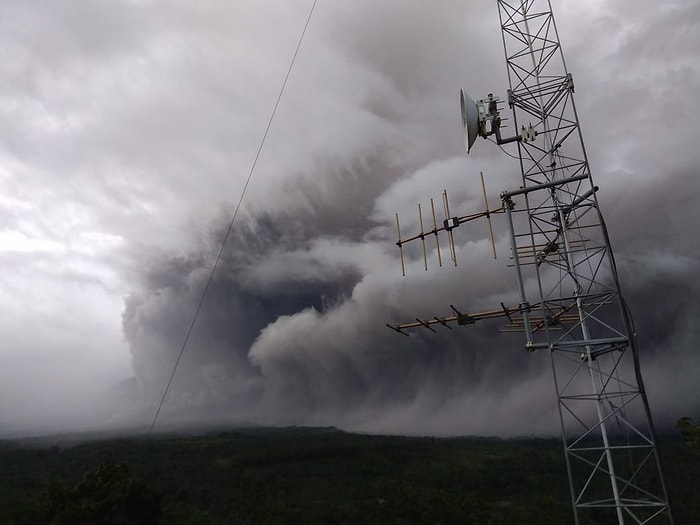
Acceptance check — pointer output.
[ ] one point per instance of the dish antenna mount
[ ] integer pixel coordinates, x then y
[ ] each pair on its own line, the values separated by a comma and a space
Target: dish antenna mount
483, 119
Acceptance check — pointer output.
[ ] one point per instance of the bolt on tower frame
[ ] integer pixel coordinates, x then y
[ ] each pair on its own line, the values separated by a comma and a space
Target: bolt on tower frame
567, 276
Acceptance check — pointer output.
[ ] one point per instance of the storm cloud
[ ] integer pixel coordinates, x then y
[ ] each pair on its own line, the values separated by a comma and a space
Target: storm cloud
136, 126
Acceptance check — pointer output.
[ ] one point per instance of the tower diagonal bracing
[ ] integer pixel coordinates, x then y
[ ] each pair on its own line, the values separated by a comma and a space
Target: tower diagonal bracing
565, 266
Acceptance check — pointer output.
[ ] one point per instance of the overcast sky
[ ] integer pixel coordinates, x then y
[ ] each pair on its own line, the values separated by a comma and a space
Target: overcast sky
128, 131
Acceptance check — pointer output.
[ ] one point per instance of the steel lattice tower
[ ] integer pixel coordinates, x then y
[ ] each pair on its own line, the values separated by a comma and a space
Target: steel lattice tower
563, 258
570, 299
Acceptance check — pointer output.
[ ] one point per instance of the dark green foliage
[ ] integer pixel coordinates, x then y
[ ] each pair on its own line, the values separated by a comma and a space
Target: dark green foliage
691, 432
107, 495
313, 476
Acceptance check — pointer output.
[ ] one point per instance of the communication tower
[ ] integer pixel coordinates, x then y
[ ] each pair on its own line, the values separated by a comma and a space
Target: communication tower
570, 302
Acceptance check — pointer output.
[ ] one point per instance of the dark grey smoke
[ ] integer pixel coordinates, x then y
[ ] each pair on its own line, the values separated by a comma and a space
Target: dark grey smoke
658, 257
292, 330
128, 129
306, 343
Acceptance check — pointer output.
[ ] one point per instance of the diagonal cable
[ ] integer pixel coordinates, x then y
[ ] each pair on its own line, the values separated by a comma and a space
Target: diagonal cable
231, 223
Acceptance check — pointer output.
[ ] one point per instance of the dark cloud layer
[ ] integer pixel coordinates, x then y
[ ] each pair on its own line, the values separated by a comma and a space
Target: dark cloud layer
136, 126
306, 343
294, 320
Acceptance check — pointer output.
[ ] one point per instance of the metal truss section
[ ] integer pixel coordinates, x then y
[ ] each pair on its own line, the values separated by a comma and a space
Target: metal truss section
570, 295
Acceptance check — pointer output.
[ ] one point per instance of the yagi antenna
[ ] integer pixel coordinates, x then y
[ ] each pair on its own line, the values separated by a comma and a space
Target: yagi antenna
448, 224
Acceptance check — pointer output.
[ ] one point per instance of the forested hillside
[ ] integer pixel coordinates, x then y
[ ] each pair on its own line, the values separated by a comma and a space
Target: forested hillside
303, 476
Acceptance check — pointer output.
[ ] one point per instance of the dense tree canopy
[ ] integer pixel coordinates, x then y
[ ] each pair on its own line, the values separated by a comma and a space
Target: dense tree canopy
690, 431
306, 476
107, 495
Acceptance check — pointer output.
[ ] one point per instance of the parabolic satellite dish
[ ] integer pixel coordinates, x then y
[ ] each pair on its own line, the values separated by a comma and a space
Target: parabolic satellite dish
470, 119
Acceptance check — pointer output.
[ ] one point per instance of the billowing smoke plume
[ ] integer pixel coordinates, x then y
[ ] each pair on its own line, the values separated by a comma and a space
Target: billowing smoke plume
292, 330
